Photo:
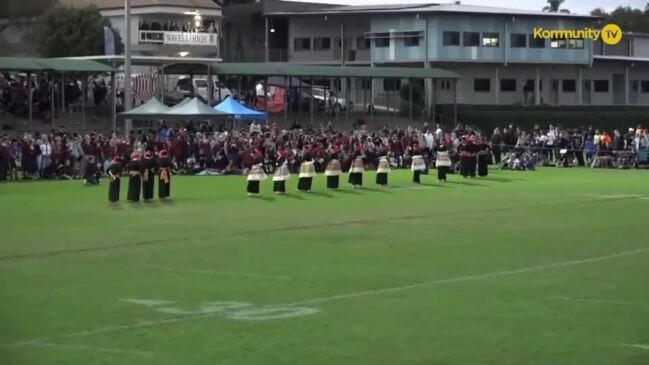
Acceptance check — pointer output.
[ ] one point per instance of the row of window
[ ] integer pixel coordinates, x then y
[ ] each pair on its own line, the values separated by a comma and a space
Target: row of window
324, 43
516, 40
567, 85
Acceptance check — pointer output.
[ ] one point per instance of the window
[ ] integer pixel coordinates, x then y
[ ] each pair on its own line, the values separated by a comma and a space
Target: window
302, 44
536, 42
644, 86
362, 43
569, 86
482, 85
471, 39
391, 84
518, 40
557, 43
451, 38
575, 43
411, 39
382, 40
600, 86
490, 39
634, 85
507, 84
321, 44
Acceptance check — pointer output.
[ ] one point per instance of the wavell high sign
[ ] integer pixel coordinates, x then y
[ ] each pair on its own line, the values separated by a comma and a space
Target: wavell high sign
190, 39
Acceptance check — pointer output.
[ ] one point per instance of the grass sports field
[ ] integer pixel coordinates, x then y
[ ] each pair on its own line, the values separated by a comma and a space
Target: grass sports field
536, 268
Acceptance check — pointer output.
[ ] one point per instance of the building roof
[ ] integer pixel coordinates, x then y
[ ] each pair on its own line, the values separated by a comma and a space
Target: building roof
620, 58
51, 64
432, 8
117, 4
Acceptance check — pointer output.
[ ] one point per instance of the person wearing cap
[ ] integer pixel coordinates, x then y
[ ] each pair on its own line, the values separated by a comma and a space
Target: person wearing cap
356, 171
134, 169
164, 175
255, 176
333, 170
114, 173
281, 173
442, 161
307, 172
382, 171
418, 165
148, 177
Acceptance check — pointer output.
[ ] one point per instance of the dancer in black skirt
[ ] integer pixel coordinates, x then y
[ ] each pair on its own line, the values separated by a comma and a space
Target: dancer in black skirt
356, 171
418, 167
484, 156
472, 148
164, 175
382, 171
148, 176
307, 172
114, 174
255, 176
333, 170
134, 169
465, 155
442, 161
281, 173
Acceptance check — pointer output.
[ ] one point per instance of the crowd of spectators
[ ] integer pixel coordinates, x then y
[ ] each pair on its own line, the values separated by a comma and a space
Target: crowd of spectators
203, 149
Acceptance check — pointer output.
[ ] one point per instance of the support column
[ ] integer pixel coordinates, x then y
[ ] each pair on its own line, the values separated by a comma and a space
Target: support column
345, 84
128, 94
372, 101
537, 87
394, 101
497, 86
62, 93
434, 101
210, 86
626, 85
312, 106
30, 97
266, 41
455, 101
113, 101
266, 98
84, 88
410, 101
219, 89
286, 88
580, 86
52, 110
342, 43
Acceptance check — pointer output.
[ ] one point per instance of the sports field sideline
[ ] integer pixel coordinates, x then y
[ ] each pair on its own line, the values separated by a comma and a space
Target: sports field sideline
536, 268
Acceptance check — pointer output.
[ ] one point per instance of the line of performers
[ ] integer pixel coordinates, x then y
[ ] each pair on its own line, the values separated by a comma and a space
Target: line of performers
333, 171
141, 177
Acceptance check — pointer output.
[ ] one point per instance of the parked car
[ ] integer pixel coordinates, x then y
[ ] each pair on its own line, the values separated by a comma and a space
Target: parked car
327, 99
199, 88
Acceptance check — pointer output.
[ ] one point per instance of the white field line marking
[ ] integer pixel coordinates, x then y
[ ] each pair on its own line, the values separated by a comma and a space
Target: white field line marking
592, 300
458, 279
211, 272
637, 346
612, 196
88, 348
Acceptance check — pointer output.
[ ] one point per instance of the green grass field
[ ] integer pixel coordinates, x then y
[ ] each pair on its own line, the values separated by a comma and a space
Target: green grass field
522, 268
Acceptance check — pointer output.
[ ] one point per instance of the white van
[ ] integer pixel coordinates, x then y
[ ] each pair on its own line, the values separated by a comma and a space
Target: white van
184, 85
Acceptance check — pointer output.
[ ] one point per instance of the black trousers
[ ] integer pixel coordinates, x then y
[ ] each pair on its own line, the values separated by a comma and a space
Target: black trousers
580, 157
441, 173
148, 187
416, 177
464, 166
497, 152
113, 191
134, 184
253, 187
4, 168
483, 161
382, 178
333, 182
356, 178
279, 186
304, 183
164, 188
472, 165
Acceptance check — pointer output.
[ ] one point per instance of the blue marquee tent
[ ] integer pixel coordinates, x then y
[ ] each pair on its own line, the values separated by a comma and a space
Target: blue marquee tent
237, 111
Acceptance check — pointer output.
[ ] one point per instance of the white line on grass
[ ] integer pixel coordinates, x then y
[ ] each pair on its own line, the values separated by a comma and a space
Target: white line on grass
596, 301
87, 348
211, 272
458, 279
636, 345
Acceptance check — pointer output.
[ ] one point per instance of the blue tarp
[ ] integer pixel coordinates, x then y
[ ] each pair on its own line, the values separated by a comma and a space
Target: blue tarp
237, 111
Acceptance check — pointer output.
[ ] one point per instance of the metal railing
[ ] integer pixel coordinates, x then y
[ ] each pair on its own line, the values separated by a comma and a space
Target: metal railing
178, 38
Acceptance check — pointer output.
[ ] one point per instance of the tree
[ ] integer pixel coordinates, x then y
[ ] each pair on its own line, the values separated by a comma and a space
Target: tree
554, 6
68, 32
629, 19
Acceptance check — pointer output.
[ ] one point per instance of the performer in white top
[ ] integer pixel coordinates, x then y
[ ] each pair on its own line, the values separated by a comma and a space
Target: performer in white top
382, 171
255, 176
281, 173
443, 162
356, 171
307, 172
333, 170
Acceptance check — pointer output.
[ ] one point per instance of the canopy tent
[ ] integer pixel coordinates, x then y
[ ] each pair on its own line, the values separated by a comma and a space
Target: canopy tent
193, 109
237, 111
181, 103
152, 109
27, 64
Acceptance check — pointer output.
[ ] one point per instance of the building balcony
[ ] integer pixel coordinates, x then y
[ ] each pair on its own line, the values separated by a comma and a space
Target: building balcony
162, 37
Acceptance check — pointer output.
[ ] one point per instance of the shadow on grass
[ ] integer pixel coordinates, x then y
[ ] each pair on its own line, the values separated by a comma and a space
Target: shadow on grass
499, 179
436, 185
166, 201
466, 183
321, 193
294, 196
346, 191
377, 190
265, 198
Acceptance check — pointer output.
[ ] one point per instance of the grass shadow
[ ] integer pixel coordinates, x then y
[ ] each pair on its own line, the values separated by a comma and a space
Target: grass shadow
166, 201
115, 206
293, 196
466, 183
499, 179
436, 185
321, 193
266, 198
348, 191
377, 190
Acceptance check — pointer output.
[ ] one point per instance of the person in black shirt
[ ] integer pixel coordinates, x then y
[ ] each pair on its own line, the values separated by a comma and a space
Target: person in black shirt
114, 173
92, 174
134, 169
483, 157
164, 175
148, 178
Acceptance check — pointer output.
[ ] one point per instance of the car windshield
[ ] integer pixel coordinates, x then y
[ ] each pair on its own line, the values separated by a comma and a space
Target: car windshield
200, 83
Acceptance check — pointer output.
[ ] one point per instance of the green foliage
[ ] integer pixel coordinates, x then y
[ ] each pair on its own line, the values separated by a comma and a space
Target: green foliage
67, 32
417, 98
628, 18
554, 6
